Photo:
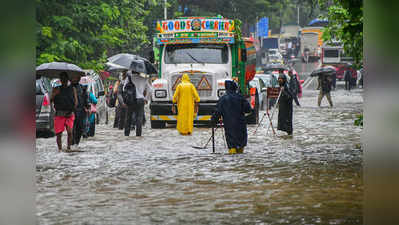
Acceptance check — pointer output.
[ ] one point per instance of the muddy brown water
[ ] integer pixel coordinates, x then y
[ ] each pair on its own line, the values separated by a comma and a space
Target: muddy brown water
313, 178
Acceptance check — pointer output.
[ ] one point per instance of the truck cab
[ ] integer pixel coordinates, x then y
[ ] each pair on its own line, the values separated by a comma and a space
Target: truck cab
208, 50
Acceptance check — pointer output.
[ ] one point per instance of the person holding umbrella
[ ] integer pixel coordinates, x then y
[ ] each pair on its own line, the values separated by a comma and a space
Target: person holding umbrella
64, 100
325, 83
285, 108
187, 98
143, 91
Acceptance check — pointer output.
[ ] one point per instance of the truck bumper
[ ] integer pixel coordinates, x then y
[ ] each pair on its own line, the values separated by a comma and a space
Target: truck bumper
162, 111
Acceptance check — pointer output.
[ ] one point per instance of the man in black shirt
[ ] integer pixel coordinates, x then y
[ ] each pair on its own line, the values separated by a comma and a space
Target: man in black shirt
64, 101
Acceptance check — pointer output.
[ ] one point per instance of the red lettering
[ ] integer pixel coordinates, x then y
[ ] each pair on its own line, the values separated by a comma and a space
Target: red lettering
177, 25
226, 26
164, 26
216, 25
203, 25
188, 24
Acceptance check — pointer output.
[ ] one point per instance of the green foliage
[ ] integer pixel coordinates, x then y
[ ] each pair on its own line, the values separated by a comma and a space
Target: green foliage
359, 120
86, 32
346, 24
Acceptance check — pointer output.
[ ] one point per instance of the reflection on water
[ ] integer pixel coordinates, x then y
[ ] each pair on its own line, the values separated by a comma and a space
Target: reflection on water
313, 178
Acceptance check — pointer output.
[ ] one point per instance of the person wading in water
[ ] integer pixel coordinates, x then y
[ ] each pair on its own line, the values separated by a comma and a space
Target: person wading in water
232, 108
285, 107
64, 101
187, 99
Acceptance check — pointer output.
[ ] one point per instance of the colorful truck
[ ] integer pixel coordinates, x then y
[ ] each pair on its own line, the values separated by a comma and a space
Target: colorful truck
210, 50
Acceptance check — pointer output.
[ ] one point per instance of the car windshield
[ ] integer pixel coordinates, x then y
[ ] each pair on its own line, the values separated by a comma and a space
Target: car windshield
266, 79
254, 83
274, 57
196, 53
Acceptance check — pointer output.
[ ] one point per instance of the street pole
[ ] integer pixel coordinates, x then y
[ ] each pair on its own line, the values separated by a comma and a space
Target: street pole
165, 10
298, 15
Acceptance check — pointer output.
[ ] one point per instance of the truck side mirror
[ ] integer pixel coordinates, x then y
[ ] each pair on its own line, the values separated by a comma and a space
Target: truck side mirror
244, 55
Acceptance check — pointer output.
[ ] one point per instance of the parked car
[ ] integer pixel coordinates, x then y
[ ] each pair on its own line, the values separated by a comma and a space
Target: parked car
44, 111
267, 79
261, 89
97, 88
341, 70
276, 72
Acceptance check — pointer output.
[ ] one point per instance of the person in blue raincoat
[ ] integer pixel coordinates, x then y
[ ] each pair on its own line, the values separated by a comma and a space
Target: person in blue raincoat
92, 115
232, 108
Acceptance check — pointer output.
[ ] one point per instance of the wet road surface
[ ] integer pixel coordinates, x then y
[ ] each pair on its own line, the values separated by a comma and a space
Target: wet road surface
313, 178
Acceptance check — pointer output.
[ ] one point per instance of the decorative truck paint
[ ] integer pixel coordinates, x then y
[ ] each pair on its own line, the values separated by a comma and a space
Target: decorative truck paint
209, 50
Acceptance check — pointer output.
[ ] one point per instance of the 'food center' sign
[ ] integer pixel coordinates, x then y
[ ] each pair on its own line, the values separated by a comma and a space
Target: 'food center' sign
189, 25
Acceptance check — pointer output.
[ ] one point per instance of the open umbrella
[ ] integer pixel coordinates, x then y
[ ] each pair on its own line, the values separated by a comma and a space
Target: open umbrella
125, 61
53, 69
328, 70
318, 22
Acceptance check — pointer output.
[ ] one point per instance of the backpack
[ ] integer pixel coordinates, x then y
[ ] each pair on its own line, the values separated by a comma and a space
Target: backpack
129, 93
111, 99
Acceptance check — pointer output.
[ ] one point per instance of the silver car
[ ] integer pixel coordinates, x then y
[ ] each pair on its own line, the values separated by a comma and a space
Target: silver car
44, 111
261, 88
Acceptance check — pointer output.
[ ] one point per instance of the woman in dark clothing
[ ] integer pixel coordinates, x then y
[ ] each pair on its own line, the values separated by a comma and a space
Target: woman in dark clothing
80, 111
285, 106
232, 107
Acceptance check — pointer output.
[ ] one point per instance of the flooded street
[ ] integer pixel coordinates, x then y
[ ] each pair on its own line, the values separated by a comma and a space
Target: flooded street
313, 178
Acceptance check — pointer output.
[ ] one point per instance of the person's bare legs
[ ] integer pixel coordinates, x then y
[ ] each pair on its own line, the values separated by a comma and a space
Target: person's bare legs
59, 141
69, 132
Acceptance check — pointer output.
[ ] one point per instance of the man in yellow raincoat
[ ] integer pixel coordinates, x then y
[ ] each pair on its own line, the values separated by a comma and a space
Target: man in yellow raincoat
186, 97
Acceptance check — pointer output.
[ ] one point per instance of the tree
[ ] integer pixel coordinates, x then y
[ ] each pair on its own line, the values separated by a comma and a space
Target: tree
346, 24
86, 32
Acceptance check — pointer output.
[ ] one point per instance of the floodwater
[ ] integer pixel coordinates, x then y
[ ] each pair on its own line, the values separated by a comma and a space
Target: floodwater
313, 178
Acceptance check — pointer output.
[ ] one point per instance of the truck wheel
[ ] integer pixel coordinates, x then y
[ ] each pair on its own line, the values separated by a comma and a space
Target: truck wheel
157, 124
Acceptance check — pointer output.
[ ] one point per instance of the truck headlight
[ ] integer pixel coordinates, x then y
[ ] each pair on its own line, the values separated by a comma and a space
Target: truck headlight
160, 93
221, 92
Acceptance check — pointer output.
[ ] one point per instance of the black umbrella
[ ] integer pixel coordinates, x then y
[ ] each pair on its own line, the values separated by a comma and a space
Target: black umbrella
125, 61
53, 69
323, 71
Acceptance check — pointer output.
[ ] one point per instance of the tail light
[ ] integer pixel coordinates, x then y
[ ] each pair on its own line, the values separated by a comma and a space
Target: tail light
252, 91
46, 101
46, 104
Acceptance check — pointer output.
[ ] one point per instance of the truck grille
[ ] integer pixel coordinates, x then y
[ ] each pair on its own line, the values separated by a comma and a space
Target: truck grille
195, 80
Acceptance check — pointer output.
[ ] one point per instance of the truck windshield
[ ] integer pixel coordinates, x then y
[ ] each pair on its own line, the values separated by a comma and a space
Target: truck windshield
196, 53
334, 53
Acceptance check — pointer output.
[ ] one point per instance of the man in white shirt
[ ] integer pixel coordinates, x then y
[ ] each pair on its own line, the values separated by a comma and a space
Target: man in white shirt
143, 95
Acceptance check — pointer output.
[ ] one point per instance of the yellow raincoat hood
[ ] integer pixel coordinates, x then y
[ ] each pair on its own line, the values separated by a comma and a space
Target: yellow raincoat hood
185, 78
